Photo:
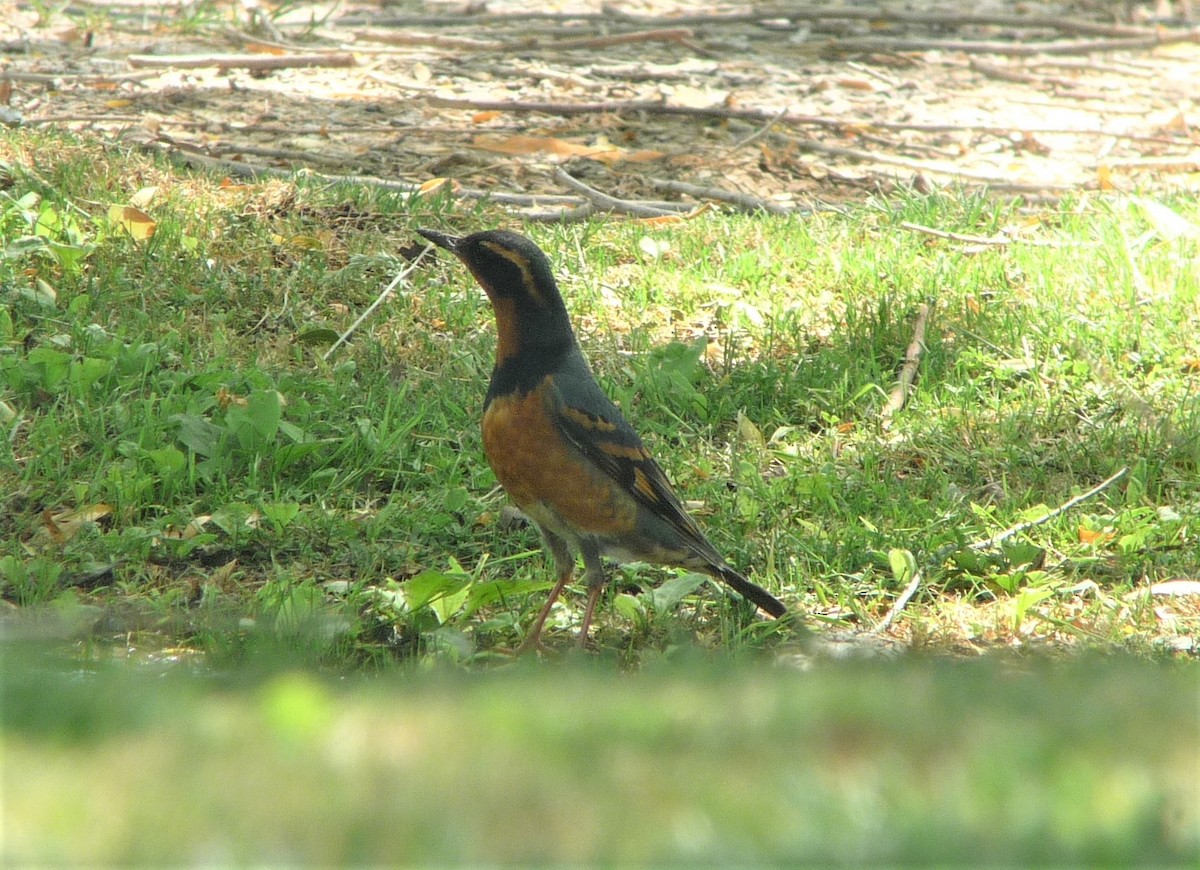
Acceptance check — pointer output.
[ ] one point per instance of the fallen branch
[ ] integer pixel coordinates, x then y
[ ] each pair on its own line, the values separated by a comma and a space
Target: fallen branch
241, 61
958, 237
1011, 49
387, 291
435, 40
900, 603
997, 240
997, 539
743, 201
674, 34
912, 359
609, 203
830, 13
1005, 74
566, 215
762, 116
83, 78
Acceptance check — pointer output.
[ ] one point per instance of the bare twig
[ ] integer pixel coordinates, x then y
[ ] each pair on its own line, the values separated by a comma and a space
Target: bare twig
743, 201
241, 61
674, 34
900, 603
760, 132
566, 215
912, 359
436, 40
88, 78
957, 237
1012, 49
997, 240
789, 13
387, 291
762, 116
999, 538
606, 202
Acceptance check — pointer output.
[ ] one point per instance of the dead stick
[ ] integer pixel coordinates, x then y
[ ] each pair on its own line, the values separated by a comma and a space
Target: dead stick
997, 539
611, 16
900, 603
1001, 239
566, 215
1012, 49
387, 291
912, 359
436, 40
744, 201
674, 34
241, 61
606, 202
761, 116
957, 237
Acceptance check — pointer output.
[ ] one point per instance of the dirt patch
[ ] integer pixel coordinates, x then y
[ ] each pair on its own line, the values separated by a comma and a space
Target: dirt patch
782, 111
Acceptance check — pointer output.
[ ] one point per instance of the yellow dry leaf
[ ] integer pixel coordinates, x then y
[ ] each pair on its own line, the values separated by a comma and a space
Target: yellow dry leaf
63, 526
661, 220
434, 185
305, 243
536, 145
604, 151
90, 514
195, 527
1093, 536
133, 220
264, 48
225, 398
118, 104
143, 197
1104, 176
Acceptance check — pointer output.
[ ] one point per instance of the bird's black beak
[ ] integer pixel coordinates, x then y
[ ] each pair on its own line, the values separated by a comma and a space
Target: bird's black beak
442, 240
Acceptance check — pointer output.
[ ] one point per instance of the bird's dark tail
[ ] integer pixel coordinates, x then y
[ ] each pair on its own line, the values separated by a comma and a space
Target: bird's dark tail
750, 591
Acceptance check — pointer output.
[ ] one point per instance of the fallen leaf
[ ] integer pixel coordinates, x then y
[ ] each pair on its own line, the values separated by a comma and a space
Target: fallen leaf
263, 48
1094, 536
434, 185
133, 220
1166, 222
654, 248
484, 117
1176, 587
520, 145
143, 197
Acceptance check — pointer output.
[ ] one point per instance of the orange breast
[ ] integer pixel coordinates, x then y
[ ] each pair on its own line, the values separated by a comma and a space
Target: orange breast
535, 465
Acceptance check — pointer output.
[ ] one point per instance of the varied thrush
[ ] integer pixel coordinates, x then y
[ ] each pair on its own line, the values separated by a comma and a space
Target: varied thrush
561, 449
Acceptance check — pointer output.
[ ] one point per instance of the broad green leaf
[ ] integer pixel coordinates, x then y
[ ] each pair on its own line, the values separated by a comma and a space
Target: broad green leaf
667, 595
198, 434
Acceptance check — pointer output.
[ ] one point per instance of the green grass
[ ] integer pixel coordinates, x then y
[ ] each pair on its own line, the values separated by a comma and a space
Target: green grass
181, 462
258, 605
688, 762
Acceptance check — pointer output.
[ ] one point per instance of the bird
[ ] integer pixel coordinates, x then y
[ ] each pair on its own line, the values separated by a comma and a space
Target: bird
561, 449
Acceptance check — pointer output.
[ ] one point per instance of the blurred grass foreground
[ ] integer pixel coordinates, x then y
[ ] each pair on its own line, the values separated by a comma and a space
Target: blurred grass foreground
999, 761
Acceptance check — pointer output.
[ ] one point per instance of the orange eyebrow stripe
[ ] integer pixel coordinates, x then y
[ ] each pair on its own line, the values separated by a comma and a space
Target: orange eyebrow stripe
522, 264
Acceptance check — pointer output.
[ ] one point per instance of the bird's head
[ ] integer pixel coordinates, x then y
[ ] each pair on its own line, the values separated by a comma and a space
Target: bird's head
516, 276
